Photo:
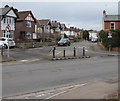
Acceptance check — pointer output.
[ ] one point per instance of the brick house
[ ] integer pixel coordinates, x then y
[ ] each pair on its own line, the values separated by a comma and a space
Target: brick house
110, 21
56, 27
25, 26
7, 20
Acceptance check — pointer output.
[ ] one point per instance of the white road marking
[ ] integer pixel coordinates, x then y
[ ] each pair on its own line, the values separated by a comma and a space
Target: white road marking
40, 95
55, 95
58, 52
67, 90
23, 60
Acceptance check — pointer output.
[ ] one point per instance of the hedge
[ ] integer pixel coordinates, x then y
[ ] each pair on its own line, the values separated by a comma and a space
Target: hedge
114, 41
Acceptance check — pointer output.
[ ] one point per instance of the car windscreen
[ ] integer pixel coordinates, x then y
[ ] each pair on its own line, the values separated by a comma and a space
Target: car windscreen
2, 39
9, 40
63, 40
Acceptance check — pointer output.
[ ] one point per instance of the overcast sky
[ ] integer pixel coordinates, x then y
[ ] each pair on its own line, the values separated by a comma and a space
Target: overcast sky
86, 15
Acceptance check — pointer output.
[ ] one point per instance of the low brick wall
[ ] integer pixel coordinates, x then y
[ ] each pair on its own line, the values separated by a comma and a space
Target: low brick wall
102, 46
117, 49
34, 44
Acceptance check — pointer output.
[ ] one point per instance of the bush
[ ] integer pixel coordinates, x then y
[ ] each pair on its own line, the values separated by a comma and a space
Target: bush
114, 41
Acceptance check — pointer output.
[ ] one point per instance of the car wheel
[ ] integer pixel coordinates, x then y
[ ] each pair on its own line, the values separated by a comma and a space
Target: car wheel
5, 46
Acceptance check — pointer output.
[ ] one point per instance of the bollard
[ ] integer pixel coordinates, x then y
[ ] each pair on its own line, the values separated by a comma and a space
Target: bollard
83, 51
2, 51
74, 52
64, 52
54, 52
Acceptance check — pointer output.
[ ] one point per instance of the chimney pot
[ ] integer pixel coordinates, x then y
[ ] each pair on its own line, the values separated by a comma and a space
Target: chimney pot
6, 6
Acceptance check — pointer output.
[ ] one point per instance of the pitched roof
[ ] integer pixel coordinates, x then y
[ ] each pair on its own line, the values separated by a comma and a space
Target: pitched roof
112, 18
44, 21
24, 14
55, 24
5, 10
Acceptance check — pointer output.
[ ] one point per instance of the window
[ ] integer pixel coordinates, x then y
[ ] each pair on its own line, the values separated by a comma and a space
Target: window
7, 20
29, 24
29, 35
4, 21
10, 21
112, 25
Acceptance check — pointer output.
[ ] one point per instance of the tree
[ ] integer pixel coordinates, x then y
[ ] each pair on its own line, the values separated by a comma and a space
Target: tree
86, 35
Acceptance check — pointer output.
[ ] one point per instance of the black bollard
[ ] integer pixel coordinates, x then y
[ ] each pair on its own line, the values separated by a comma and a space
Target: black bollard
2, 51
83, 51
74, 52
54, 52
64, 52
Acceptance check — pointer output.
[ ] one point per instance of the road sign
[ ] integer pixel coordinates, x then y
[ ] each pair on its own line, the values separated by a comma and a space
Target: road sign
110, 35
8, 28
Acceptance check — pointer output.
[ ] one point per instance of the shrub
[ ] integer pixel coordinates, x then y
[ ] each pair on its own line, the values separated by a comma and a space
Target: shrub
114, 41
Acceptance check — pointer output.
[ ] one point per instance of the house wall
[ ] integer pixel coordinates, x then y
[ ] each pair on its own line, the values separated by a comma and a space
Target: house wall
21, 27
4, 23
0, 30
107, 25
117, 25
47, 29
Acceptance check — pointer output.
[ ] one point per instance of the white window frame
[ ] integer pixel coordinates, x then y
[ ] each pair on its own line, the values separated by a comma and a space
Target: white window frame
111, 26
30, 24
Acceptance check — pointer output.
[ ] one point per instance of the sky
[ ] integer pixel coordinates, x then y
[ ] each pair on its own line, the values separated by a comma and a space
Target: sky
84, 15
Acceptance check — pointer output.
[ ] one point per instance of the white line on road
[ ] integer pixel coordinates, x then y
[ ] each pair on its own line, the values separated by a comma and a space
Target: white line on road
55, 95
69, 89
23, 60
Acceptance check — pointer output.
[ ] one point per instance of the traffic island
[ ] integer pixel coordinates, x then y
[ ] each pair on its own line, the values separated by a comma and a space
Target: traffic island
7, 59
68, 58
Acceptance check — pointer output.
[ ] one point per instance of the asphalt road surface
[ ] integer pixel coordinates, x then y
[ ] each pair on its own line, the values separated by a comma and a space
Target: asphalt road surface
30, 77
20, 78
46, 51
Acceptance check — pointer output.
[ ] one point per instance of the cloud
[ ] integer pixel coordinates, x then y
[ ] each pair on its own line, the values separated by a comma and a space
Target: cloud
81, 14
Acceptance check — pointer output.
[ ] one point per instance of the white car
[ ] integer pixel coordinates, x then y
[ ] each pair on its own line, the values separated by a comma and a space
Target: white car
5, 41
2, 45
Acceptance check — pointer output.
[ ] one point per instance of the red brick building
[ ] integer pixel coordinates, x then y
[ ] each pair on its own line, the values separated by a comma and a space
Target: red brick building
25, 26
111, 21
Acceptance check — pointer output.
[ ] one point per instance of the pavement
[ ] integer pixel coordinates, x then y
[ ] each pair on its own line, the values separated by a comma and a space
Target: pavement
92, 90
100, 89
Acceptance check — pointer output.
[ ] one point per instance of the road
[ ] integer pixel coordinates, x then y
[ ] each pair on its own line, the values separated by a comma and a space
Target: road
46, 51
23, 78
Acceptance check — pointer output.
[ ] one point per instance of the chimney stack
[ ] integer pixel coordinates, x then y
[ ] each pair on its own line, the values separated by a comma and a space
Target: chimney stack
104, 12
6, 6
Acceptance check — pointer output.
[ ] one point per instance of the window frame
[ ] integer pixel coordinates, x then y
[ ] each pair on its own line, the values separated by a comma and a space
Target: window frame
111, 27
28, 24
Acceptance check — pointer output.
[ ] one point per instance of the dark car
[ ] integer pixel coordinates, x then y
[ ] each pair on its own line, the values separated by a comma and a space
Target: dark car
64, 42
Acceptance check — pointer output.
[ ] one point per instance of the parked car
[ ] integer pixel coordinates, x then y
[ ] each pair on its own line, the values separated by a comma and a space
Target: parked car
6, 41
64, 42
2, 45
95, 39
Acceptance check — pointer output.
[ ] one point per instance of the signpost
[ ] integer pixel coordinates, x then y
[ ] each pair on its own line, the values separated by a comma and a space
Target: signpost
8, 33
110, 37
